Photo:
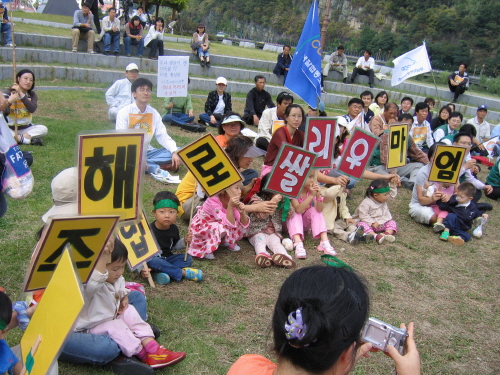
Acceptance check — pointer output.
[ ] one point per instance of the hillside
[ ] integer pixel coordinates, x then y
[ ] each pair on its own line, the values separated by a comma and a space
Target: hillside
455, 30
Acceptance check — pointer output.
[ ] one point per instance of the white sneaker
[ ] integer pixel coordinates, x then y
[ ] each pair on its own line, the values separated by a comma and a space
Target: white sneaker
10, 45
74, 50
209, 256
165, 177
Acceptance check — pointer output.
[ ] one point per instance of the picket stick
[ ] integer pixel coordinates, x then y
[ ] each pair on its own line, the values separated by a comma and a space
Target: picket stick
14, 68
190, 218
150, 278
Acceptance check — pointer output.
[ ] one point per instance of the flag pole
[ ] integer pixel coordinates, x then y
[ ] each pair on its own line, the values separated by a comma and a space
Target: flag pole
435, 85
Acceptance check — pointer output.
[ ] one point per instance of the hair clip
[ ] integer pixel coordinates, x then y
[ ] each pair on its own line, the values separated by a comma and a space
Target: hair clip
371, 187
295, 327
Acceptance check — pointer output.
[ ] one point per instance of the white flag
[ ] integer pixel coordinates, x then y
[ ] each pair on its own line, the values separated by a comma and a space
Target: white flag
410, 64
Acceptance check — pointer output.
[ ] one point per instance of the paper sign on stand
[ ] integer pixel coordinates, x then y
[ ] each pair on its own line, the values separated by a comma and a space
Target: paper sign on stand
290, 170
54, 317
358, 153
86, 235
209, 164
446, 163
320, 139
139, 241
110, 169
172, 76
398, 146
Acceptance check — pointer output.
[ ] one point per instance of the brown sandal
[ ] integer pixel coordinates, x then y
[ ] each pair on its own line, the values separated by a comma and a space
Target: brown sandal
263, 260
283, 261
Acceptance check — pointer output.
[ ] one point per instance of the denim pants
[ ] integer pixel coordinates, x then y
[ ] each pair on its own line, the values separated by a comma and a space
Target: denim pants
6, 28
157, 156
128, 41
172, 265
98, 349
453, 224
202, 53
111, 39
178, 118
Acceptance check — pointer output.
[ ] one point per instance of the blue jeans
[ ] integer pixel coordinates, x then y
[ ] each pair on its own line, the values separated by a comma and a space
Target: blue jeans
178, 118
206, 118
6, 28
108, 39
172, 265
127, 41
157, 156
202, 53
453, 224
98, 349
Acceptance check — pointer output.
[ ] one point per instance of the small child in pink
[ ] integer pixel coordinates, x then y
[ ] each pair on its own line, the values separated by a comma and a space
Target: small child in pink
373, 212
220, 221
107, 312
447, 190
308, 216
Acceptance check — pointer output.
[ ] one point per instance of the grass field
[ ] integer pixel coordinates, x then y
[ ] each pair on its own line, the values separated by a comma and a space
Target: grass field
451, 293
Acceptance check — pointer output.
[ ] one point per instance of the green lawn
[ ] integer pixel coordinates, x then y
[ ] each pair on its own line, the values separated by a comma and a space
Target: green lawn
450, 292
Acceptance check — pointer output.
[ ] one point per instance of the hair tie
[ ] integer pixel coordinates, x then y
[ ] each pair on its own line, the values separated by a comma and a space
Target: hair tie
295, 327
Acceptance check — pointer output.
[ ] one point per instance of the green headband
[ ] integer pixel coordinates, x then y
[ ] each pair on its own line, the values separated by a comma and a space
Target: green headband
3, 325
381, 190
166, 203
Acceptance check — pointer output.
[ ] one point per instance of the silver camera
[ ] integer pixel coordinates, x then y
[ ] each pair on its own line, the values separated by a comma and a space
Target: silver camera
381, 334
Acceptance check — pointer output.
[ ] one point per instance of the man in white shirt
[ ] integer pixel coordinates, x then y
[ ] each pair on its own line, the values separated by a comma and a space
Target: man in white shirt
482, 126
421, 130
354, 117
338, 62
140, 115
111, 28
120, 93
364, 66
269, 116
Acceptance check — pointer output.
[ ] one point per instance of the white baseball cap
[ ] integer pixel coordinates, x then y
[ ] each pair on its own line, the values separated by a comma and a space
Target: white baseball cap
64, 194
131, 66
221, 80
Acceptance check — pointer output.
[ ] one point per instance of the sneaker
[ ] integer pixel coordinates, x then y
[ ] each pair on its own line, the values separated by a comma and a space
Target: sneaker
389, 238
282, 260
263, 260
380, 238
91, 52
163, 358
10, 45
354, 237
129, 366
129, 55
161, 278
153, 58
202, 63
348, 82
444, 236
438, 227
165, 177
104, 53
327, 248
367, 238
300, 252
232, 247
371, 86
36, 141
209, 256
74, 50
456, 240
208, 64
116, 53
344, 80
193, 274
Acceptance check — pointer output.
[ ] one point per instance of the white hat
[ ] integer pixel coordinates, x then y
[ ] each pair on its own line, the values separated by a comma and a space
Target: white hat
64, 195
221, 80
233, 118
254, 152
131, 66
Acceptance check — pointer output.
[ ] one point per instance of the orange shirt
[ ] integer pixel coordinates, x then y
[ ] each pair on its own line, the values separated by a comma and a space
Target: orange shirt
251, 364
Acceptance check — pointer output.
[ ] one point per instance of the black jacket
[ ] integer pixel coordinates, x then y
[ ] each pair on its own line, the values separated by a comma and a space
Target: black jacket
213, 99
465, 214
257, 101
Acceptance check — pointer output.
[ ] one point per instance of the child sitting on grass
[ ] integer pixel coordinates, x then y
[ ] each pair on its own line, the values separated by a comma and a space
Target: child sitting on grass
373, 212
220, 221
8, 361
462, 214
447, 190
107, 312
168, 265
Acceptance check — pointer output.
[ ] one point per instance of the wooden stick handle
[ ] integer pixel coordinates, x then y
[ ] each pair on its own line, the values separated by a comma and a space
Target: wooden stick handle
191, 217
33, 350
150, 278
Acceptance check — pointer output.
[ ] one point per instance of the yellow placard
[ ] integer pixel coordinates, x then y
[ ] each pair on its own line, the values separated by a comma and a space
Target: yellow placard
446, 163
209, 164
87, 236
109, 174
141, 121
139, 241
54, 316
277, 124
398, 146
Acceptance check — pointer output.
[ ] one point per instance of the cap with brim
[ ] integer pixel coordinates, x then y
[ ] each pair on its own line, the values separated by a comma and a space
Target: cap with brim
254, 152
131, 66
64, 194
61, 209
483, 106
221, 80
233, 118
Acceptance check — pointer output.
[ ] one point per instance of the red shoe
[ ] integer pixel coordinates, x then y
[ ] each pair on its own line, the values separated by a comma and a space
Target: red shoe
163, 358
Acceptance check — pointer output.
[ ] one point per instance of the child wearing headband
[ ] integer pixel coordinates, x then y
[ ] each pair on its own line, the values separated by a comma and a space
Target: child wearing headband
373, 212
221, 221
167, 265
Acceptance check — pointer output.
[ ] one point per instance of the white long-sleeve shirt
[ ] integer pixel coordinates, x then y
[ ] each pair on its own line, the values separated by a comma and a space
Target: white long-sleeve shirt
153, 34
120, 94
363, 63
107, 24
266, 122
483, 130
158, 128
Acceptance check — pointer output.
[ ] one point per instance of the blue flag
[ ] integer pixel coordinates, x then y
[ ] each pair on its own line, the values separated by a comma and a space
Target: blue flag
304, 76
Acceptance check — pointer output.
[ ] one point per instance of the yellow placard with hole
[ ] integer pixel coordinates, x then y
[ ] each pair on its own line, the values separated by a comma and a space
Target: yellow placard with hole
139, 241
54, 317
86, 235
209, 164
446, 163
398, 146
109, 173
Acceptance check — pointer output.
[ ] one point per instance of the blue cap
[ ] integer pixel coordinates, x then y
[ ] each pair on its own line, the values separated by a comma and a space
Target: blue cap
482, 106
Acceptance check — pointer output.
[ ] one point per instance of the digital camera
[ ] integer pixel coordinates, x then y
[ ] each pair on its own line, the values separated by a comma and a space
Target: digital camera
381, 334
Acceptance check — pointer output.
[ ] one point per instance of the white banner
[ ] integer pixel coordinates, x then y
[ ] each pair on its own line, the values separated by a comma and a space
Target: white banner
410, 64
490, 145
172, 76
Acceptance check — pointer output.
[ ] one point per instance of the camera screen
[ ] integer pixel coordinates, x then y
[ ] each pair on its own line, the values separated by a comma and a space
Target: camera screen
376, 334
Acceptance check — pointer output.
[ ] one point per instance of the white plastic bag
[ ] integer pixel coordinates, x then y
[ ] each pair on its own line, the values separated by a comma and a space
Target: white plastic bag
17, 179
